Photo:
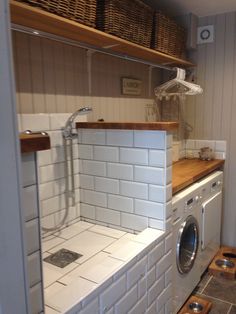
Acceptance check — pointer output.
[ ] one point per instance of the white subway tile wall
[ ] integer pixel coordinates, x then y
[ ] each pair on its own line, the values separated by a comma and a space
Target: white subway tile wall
51, 167
32, 231
125, 183
192, 148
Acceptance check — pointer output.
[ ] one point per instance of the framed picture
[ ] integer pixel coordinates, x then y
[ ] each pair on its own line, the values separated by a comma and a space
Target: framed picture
131, 86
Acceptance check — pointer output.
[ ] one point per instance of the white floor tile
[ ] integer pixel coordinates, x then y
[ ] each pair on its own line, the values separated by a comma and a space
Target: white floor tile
74, 229
70, 295
50, 242
86, 243
52, 273
119, 243
53, 289
148, 235
108, 231
128, 251
96, 269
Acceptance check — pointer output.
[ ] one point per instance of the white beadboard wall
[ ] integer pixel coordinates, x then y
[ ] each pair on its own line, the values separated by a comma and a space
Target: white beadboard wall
213, 114
53, 77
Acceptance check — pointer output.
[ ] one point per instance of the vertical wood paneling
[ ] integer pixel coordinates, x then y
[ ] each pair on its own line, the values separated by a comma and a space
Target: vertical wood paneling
16, 71
200, 99
69, 79
229, 234
80, 71
215, 111
49, 76
59, 68
36, 68
218, 78
53, 77
208, 90
228, 74
24, 84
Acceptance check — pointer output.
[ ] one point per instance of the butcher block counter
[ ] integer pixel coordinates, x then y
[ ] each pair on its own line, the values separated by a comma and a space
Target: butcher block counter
188, 171
34, 142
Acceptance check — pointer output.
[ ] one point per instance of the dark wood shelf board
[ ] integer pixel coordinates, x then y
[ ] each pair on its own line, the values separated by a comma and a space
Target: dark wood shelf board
34, 143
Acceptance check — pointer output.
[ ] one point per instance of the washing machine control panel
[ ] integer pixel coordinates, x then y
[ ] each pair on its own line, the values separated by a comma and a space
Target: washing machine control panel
211, 185
191, 202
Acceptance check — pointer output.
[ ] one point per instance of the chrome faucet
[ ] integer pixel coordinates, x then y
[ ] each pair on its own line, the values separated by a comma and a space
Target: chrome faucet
67, 130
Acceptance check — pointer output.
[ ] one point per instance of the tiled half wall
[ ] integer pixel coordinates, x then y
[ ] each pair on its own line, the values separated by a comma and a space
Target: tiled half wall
125, 178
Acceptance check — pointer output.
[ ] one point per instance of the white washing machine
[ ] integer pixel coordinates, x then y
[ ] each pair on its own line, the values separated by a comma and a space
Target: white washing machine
210, 189
186, 237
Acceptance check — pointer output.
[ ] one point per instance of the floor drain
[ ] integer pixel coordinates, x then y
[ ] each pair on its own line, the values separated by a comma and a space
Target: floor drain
62, 258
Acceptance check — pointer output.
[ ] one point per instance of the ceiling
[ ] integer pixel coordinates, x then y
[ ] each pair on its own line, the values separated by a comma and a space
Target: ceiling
197, 7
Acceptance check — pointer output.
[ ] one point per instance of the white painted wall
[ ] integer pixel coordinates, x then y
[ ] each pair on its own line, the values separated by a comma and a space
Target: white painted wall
12, 258
213, 114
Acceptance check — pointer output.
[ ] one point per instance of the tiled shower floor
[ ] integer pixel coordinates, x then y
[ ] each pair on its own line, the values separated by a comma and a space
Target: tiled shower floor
221, 292
95, 243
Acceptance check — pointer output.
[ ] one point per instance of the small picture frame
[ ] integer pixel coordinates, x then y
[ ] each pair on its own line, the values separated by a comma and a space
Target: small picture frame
131, 86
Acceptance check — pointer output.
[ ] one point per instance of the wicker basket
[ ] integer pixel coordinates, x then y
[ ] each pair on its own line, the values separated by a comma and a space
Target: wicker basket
127, 19
168, 37
82, 11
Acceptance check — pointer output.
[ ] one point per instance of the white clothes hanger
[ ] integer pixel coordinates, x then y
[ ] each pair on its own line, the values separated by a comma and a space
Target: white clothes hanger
177, 87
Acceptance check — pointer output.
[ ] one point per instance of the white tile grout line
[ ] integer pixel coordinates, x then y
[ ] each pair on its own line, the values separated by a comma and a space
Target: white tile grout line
206, 284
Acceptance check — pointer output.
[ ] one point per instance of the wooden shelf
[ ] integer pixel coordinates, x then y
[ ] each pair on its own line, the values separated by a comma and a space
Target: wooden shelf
37, 19
158, 126
34, 142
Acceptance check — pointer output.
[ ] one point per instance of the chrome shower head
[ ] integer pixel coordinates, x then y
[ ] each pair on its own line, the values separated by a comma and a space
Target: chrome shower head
67, 131
84, 110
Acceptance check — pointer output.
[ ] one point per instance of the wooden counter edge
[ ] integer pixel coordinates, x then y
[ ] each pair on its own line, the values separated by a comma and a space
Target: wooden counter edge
34, 142
158, 126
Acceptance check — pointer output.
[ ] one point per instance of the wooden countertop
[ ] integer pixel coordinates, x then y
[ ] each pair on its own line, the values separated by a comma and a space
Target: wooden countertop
34, 142
158, 126
188, 171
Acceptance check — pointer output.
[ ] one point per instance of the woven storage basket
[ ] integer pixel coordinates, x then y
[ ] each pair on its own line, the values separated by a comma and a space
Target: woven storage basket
168, 37
127, 19
82, 11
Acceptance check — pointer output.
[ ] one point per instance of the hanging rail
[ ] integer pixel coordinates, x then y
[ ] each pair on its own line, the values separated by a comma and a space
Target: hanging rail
27, 30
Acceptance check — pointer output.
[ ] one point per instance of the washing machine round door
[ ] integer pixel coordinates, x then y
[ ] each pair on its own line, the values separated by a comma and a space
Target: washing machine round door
187, 244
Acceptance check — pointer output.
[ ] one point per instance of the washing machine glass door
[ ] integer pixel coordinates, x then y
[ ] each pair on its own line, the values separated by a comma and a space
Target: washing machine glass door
187, 244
